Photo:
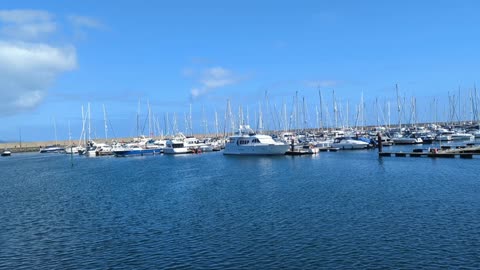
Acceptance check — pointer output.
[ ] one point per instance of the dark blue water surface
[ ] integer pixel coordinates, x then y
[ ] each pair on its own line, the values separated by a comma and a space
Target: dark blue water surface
335, 210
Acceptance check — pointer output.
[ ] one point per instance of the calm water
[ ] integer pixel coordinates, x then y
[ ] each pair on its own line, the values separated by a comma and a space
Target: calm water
335, 210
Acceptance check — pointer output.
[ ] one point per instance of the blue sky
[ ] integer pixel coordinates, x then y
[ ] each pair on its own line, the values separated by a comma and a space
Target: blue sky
57, 56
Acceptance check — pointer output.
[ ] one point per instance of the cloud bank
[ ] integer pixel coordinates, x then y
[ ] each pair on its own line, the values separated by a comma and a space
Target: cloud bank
27, 70
29, 63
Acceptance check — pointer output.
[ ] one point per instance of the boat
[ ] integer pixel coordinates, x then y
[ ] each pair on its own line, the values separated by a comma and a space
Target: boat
98, 149
303, 150
349, 143
460, 136
196, 145
52, 149
176, 146
140, 147
247, 142
411, 139
160, 144
134, 150
427, 138
386, 141
443, 137
74, 149
6, 153
475, 133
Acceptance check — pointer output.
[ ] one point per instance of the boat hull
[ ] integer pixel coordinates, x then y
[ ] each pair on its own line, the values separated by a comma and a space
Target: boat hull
52, 150
407, 141
261, 150
348, 146
139, 152
176, 151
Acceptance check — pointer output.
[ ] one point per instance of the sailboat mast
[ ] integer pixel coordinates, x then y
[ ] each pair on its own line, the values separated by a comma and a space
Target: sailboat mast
399, 108
348, 113
296, 111
335, 110
89, 123
105, 122
82, 135
304, 115
55, 129
69, 134
321, 108
216, 124
190, 124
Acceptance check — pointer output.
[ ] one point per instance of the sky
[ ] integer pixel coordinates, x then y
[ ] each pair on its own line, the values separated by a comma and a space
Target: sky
259, 56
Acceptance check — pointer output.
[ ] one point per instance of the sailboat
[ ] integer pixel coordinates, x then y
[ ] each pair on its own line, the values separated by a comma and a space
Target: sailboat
53, 148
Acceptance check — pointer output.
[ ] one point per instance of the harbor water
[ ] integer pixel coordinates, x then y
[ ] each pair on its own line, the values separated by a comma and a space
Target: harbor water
347, 209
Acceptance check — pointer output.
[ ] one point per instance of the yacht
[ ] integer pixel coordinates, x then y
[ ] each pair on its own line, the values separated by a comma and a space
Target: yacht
134, 150
103, 149
52, 149
461, 136
74, 149
411, 139
348, 143
246, 142
160, 144
475, 133
98, 149
176, 146
6, 153
196, 145
443, 137
140, 146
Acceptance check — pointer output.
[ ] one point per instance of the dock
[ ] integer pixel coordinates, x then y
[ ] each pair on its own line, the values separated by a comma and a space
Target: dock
461, 151
430, 155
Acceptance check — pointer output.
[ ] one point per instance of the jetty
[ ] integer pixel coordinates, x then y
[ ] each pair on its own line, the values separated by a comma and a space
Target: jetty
459, 151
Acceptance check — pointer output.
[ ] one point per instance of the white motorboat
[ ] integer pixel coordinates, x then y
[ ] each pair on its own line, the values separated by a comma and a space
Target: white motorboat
462, 137
475, 133
133, 149
348, 143
196, 145
6, 153
443, 137
52, 149
411, 139
176, 146
246, 142
73, 149
98, 149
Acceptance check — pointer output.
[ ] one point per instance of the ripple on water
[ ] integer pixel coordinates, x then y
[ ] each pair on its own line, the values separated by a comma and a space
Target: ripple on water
335, 210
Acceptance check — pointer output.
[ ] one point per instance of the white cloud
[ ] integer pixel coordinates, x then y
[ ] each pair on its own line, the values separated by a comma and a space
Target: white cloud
27, 70
213, 78
26, 24
84, 21
20, 16
29, 63
322, 83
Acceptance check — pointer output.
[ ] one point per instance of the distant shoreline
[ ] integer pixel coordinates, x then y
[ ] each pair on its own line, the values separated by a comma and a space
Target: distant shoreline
17, 147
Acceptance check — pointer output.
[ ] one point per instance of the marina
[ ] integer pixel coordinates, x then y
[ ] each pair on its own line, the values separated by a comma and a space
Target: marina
230, 135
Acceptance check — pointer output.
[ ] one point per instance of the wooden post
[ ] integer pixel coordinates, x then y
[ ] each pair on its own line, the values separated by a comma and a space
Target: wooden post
379, 141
